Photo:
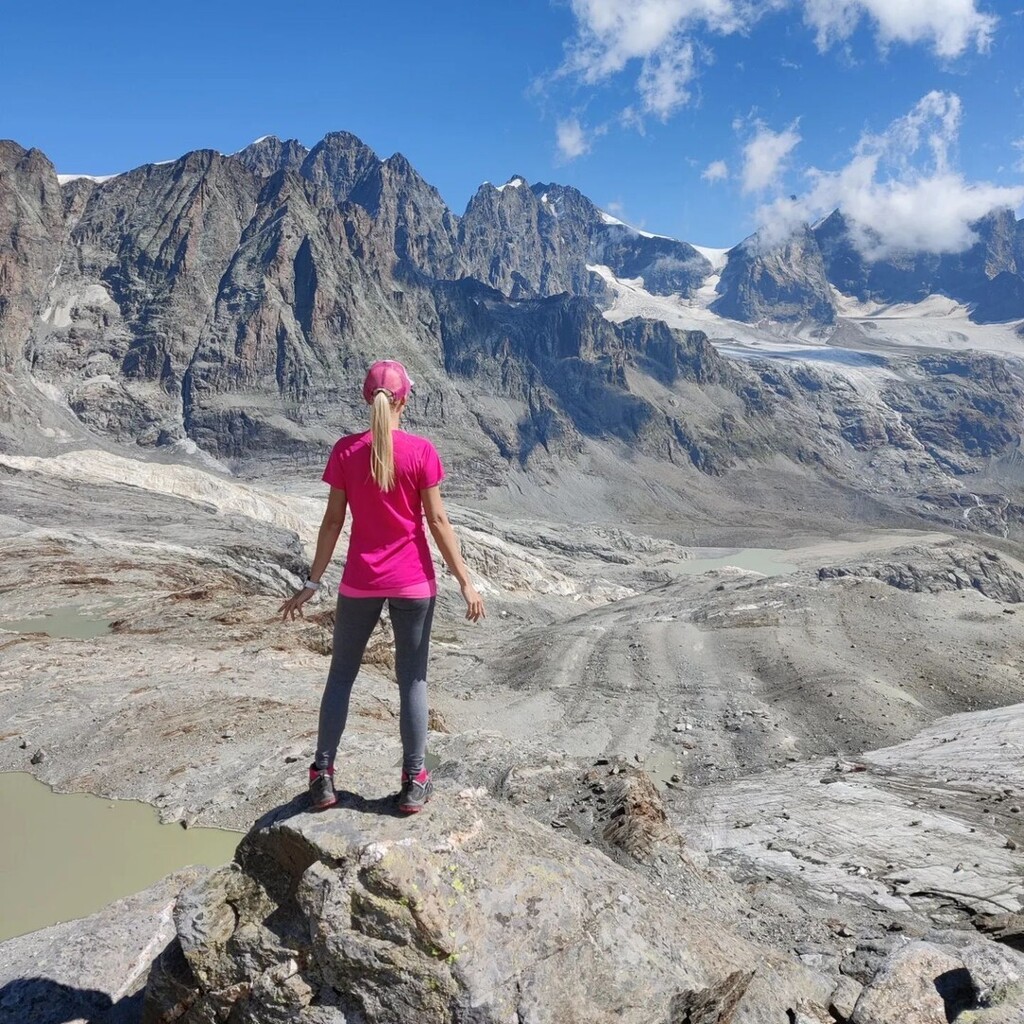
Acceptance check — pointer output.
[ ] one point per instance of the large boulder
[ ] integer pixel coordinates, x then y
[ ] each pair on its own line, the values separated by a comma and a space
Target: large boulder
470, 912
931, 983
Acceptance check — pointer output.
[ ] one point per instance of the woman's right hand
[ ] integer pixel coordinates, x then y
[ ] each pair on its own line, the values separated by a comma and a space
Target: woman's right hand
474, 603
293, 606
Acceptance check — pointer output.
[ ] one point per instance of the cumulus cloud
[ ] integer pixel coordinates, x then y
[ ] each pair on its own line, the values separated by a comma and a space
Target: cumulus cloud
613, 32
669, 37
950, 27
765, 155
571, 139
900, 189
657, 33
717, 170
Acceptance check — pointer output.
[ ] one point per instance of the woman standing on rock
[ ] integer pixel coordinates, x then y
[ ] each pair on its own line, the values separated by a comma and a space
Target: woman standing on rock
390, 480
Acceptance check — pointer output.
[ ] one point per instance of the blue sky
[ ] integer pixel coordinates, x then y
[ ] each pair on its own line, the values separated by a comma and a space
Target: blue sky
693, 118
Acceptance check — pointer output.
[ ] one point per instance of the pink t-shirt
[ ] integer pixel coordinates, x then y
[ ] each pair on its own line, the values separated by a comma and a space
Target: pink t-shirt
388, 551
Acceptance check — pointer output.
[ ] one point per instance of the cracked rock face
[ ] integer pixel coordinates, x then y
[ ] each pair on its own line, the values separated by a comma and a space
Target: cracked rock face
785, 282
966, 568
467, 913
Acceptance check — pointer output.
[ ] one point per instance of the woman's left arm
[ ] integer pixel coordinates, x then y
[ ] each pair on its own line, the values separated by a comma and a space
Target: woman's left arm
326, 541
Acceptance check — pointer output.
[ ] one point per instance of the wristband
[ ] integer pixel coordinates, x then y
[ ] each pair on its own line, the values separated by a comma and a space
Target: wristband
311, 585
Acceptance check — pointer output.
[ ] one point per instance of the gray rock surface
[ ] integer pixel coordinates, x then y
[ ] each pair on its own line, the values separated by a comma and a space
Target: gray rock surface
468, 912
776, 280
965, 567
93, 970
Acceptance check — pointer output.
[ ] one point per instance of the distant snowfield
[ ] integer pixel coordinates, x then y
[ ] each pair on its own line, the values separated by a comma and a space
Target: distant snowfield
65, 179
863, 331
607, 218
716, 257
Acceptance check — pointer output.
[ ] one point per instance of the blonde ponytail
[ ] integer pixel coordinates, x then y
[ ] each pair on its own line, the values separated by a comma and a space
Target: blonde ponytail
382, 451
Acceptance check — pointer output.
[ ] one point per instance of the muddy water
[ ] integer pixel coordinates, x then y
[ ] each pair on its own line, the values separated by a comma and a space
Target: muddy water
67, 622
767, 561
67, 855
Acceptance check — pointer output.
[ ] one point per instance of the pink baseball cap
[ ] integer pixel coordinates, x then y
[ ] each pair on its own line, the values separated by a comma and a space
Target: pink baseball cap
387, 375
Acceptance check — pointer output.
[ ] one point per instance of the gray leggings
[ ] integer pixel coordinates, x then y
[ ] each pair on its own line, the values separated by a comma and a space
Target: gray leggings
353, 623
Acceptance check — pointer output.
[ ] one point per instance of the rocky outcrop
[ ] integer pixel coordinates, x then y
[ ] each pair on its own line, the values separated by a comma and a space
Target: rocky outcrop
790, 281
667, 266
411, 216
1000, 299
964, 567
537, 240
337, 162
926, 983
138, 273
962, 406
268, 155
31, 227
784, 281
567, 369
469, 913
526, 241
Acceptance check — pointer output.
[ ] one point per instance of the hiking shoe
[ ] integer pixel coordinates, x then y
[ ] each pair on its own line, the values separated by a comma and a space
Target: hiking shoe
415, 792
321, 788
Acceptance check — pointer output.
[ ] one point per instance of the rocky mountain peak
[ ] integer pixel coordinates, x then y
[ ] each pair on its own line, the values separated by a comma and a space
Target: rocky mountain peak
268, 155
778, 280
410, 216
337, 162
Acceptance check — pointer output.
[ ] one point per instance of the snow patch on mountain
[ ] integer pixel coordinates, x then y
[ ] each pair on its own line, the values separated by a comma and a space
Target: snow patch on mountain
861, 329
92, 296
65, 179
607, 218
716, 257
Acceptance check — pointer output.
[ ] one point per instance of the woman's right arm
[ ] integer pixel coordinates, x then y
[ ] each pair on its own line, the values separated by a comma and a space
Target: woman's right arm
327, 539
448, 544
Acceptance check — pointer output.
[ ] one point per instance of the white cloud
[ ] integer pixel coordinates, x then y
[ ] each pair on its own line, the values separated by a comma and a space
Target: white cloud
950, 27
631, 118
764, 157
571, 139
613, 32
667, 37
934, 121
717, 170
664, 77
891, 202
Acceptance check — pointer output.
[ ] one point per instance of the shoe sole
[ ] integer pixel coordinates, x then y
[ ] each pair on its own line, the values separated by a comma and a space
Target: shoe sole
413, 808
324, 806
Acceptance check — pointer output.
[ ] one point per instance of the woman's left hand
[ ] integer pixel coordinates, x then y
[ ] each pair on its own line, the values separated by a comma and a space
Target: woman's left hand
293, 606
